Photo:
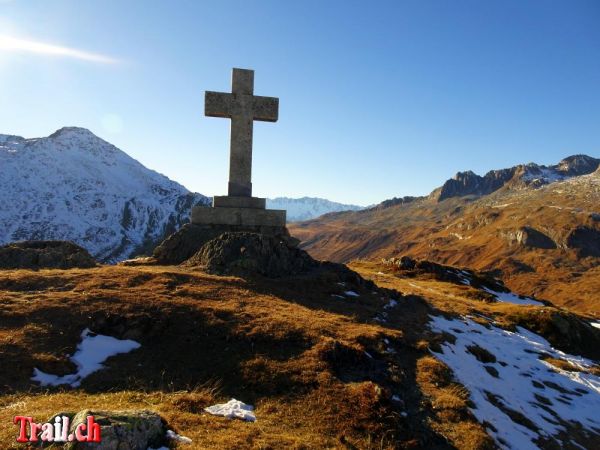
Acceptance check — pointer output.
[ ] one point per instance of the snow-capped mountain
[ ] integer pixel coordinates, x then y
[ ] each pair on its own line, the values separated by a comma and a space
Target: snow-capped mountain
75, 186
306, 208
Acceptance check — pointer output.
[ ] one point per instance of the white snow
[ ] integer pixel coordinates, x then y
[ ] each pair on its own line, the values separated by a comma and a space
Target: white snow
543, 394
545, 174
233, 409
176, 437
595, 324
306, 208
91, 352
338, 296
509, 297
351, 294
75, 186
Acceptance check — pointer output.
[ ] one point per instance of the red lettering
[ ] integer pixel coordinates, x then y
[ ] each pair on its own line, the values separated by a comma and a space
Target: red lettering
79, 432
93, 434
35, 429
23, 421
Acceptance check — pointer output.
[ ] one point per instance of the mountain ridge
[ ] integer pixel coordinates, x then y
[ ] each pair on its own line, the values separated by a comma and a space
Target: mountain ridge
305, 208
542, 238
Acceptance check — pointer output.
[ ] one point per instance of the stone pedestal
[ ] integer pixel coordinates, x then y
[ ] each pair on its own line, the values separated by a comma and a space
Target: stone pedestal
242, 212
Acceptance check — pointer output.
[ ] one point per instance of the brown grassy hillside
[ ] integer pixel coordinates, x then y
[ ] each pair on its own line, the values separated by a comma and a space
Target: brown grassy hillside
315, 361
288, 347
559, 259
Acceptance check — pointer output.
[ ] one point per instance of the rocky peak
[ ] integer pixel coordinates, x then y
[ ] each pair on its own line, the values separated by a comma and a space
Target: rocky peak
522, 176
72, 132
8, 138
578, 165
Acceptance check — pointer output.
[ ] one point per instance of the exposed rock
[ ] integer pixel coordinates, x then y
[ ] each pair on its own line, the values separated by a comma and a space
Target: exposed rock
586, 240
407, 263
530, 237
119, 430
469, 183
521, 176
395, 201
564, 330
578, 165
254, 253
413, 267
183, 244
44, 255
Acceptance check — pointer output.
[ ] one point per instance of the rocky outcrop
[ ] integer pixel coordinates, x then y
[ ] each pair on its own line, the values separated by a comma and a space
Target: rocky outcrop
120, 430
44, 255
413, 267
394, 202
578, 165
252, 253
183, 244
530, 237
585, 240
469, 183
521, 176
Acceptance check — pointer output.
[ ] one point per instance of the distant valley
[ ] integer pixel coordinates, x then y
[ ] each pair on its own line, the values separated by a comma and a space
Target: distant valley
537, 227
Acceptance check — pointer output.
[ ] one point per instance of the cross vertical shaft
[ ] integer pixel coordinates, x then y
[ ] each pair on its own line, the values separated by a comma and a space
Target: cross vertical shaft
242, 107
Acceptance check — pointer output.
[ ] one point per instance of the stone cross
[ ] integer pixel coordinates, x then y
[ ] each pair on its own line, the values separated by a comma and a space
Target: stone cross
243, 108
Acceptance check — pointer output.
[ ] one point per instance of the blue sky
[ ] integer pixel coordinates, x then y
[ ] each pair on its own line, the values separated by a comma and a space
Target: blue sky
377, 99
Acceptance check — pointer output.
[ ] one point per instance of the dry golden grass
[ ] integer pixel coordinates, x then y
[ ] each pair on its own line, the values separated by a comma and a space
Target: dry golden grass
315, 366
286, 346
449, 402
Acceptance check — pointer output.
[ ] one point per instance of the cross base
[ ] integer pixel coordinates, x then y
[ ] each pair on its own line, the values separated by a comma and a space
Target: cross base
238, 211
228, 201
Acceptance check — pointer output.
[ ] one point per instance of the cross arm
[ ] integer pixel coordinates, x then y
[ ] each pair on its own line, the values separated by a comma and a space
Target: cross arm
218, 104
266, 109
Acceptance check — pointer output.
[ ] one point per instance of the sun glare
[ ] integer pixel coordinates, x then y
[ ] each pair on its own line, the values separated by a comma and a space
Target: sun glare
18, 45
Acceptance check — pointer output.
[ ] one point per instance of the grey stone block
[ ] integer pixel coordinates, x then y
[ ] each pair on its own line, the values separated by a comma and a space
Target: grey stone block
202, 215
228, 201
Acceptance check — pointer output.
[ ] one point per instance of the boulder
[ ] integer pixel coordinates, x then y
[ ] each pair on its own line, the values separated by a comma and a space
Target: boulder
252, 253
183, 244
530, 237
44, 255
586, 240
122, 430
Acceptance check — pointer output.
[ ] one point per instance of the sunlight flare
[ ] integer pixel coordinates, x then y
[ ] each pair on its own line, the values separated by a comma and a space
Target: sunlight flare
18, 45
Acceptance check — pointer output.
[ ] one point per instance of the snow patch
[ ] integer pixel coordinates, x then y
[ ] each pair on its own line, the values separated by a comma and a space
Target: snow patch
545, 397
233, 409
91, 352
177, 437
509, 297
351, 294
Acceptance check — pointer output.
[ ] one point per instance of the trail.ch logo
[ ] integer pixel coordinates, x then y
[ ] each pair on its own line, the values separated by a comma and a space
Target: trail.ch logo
30, 431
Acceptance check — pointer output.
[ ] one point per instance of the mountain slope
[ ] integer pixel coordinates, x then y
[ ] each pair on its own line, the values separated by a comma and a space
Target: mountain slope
306, 208
74, 186
542, 238
422, 358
